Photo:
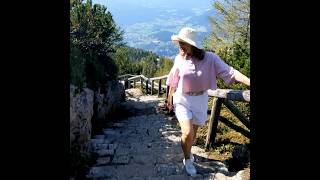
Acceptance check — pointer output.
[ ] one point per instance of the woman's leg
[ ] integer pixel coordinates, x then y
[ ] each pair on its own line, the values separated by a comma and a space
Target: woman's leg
195, 129
186, 137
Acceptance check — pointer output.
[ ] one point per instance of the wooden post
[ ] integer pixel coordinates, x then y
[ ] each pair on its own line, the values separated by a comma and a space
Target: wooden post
152, 84
167, 91
134, 83
159, 88
233, 108
234, 127
126, 83
141, 83
214, 118
147, 81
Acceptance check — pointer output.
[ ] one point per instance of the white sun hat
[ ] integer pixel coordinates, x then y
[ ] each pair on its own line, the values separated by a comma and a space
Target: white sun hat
187, 35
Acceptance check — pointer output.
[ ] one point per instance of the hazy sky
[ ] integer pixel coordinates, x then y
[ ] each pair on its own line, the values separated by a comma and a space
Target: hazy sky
128, 12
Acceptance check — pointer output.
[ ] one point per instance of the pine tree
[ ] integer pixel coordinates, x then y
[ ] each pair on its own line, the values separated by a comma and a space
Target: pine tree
231, 24
95, 34
230, 37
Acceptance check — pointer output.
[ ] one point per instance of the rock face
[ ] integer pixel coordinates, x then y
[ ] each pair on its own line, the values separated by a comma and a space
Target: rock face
85, 106
109, 101
241, 153
81, 111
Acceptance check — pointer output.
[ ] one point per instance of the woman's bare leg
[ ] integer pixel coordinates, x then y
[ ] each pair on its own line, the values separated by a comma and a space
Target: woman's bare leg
186, 137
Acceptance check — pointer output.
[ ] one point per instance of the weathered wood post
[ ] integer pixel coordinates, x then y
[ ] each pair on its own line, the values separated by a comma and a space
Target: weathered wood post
232, 107
159, 88
213, 123
152, 85
147, 81
167, 91
126, 82
134, 83
141, 83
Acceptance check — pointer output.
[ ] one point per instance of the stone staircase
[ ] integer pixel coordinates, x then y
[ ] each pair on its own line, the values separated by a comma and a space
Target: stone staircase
147, 147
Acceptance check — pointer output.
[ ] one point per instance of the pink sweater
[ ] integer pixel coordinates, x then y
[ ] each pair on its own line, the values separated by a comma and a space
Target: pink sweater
192, 75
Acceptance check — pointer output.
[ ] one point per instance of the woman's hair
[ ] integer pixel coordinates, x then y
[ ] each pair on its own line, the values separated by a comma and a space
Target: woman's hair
198, 53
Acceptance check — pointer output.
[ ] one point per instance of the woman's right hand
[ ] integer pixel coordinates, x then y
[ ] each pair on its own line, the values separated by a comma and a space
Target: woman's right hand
169, 103
170, 99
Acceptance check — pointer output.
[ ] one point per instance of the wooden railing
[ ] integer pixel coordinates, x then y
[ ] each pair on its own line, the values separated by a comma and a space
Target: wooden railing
149, 84
226, 96
220, 96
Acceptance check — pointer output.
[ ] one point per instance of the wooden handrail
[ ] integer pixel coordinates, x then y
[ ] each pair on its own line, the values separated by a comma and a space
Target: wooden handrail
134, 77
225, 96
145, 78
231, 94
149, 82
158, 78
125, 75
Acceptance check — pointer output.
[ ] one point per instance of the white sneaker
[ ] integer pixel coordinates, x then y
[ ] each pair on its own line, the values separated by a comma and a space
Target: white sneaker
191, 157
191, 170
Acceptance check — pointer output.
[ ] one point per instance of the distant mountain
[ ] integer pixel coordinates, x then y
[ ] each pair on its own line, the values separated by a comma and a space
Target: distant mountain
149, 24
163, 35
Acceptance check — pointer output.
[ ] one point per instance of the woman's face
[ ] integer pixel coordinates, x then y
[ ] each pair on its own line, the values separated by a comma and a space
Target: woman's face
185, 48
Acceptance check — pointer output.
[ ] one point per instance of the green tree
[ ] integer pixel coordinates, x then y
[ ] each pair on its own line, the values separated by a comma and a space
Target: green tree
78, 65
93, 31
122, 59
134, 60
149, 65
230, 37
164, 66
230, 23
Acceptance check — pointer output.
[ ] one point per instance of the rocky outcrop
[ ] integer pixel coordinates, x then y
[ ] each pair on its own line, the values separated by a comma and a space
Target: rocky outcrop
109, 100
86, 106
86, 103
81, 111
241, 153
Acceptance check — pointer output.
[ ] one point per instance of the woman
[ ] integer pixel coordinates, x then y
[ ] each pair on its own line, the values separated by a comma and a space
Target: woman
193, 73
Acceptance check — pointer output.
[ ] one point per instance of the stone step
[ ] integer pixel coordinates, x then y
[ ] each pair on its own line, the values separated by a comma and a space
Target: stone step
97, 147
182, 177
110, 132
168, 169
118, 125
97, 141
94, 142
104, 146
105, 152
102, 172
211, 166
222, 176
121, 159
99, 137
134, 170
103, 161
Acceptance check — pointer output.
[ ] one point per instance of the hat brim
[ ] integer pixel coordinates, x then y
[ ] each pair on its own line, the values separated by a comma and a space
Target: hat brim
175, 39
